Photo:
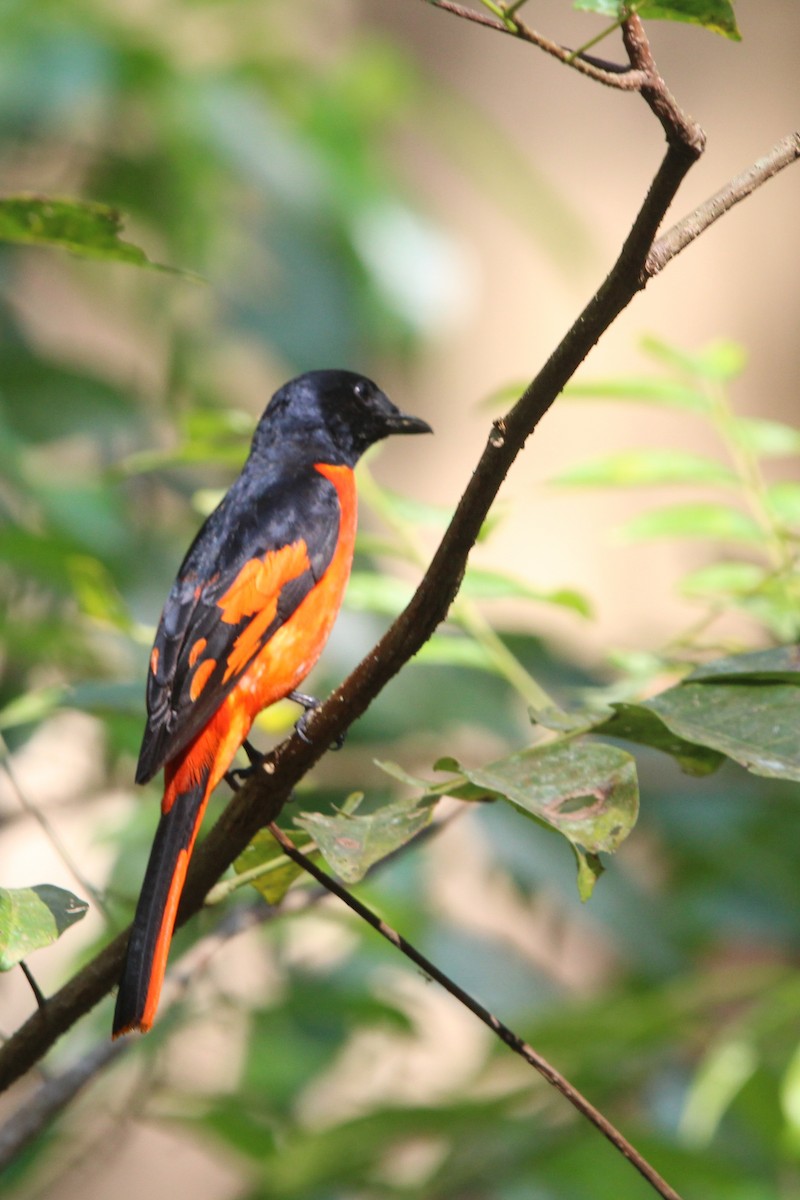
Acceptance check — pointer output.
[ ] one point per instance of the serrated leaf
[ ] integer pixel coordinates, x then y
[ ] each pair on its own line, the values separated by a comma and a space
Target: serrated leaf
88, 229
34, 917
767, 439
755, 724
645, 467
352, 843
665, 392
636, 723
270, 871
586, 791
702, 519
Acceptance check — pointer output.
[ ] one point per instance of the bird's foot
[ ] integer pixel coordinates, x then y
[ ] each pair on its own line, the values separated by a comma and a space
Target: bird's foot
240, 775
310, 704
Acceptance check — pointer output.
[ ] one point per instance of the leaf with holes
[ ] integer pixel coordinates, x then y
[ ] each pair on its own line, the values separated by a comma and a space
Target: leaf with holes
351, 842
586, 791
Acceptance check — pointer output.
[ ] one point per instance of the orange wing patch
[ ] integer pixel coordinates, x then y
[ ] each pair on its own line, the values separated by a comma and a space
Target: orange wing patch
154, 659
196, 650
201, 675
254, 593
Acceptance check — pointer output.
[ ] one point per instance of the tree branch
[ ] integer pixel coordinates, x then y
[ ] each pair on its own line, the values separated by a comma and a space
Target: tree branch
682, 234
506, 1035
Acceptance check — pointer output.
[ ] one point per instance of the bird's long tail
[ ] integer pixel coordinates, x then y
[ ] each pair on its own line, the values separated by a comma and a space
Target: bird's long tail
151, 932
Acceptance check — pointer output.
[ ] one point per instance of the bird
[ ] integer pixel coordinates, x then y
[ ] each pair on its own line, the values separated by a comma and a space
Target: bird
251, 608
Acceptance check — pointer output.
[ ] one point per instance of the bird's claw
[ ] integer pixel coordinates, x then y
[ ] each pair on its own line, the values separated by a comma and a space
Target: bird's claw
310, 705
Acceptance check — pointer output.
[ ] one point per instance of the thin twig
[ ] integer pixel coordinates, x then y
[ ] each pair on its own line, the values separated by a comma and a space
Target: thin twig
623, 78
684, 232
37, 991
506, 1035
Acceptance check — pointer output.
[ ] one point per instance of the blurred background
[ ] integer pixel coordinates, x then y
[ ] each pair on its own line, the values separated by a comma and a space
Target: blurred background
385, 188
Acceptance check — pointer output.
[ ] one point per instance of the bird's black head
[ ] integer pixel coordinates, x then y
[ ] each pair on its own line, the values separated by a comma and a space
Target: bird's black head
332, 415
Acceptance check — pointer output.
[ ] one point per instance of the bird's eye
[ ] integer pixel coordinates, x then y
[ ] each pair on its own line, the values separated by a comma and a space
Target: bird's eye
360, 390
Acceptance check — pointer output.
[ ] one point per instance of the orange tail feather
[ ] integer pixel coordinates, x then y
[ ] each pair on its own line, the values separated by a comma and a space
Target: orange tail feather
153, 924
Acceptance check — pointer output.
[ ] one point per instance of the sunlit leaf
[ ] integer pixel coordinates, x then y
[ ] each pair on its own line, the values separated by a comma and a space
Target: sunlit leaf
351, 843
723, 578
368, 591
483, 584
635, 467
34, 917
767, 439
664, 392
586, 791
703, 520
85, 228
718, 361
784, 502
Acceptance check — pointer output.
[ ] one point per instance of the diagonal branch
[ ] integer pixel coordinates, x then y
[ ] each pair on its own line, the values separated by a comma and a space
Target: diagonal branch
682, 234
501, 1030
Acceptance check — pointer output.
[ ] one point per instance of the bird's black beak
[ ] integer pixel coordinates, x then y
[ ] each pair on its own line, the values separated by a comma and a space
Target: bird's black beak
402, 423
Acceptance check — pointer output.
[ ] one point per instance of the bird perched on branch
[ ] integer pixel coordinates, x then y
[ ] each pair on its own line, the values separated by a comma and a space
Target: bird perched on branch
245, 621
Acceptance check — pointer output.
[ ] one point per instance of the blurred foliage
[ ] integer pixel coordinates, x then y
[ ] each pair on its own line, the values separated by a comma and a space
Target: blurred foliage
247, 151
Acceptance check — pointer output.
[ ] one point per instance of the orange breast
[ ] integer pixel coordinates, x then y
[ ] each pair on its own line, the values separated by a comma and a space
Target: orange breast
283, 663
294, 649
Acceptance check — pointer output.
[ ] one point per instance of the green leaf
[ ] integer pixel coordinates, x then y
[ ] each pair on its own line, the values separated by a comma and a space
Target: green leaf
482, 584
715, 15
784, 502
665, 392
269, 870
416, 512
723, 578
368, 591
88, 229
32, 707
638, 724
636, 467
585, 791
352, 843
34, 917
767, 439
702, 519
755, 724
779, 665
718, 361
455, 650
